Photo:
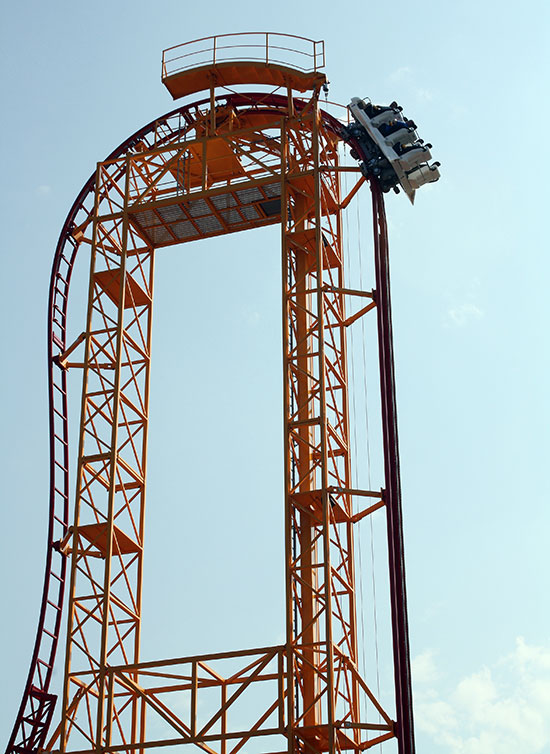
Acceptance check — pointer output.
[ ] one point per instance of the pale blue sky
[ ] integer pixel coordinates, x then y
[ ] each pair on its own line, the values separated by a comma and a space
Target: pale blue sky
470, 277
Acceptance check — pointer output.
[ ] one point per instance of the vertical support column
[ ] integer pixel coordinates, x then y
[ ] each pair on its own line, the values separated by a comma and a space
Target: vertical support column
324, 448
302, 424
104, 615
319, 549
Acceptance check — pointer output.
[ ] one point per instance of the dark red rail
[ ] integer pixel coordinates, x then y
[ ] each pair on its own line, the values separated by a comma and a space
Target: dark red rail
398, 595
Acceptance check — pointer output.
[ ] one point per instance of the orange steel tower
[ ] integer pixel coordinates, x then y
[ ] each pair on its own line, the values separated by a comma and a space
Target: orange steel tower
230, 161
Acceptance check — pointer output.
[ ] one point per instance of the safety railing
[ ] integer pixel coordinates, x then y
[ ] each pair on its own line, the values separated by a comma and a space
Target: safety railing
218, 702
273, 48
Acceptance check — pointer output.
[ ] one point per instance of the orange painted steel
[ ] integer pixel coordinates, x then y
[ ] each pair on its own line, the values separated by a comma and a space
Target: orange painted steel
232, 163
252, 58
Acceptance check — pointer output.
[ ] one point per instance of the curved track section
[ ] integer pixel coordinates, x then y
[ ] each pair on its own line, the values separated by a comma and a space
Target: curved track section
35, 713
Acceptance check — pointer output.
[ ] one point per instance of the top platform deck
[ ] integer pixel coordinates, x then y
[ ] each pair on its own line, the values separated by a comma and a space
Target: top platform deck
249, 58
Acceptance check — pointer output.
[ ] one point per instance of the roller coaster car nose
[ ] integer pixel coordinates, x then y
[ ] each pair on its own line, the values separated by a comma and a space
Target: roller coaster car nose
424, 174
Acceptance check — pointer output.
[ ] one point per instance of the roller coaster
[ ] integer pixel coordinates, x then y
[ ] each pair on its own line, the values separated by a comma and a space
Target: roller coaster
257, 149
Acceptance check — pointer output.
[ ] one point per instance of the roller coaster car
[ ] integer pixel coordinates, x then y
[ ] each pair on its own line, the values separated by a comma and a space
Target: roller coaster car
382, 135
380, 113
424, 174
411, 158
386, 116
403, 135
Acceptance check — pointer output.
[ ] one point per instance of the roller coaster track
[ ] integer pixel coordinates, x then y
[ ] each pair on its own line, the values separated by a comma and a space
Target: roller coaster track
37, 706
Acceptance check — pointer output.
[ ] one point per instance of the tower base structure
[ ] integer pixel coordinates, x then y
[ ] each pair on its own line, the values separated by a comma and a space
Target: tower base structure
223, 164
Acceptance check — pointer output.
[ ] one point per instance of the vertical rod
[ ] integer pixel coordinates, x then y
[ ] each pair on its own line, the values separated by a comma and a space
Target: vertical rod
193, 712
223, 748
285, 309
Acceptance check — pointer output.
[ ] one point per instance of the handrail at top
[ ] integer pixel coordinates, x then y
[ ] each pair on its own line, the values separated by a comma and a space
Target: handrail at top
243, 34
311, 52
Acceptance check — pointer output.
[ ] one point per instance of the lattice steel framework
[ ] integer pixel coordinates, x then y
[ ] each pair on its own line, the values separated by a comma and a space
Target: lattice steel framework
216, 167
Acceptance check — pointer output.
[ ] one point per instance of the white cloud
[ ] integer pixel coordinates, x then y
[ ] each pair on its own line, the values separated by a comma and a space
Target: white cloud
497, 710
43, 190
464, 313
400, 74
424, 95
460, 314
251, 317
424, 669
405, 77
